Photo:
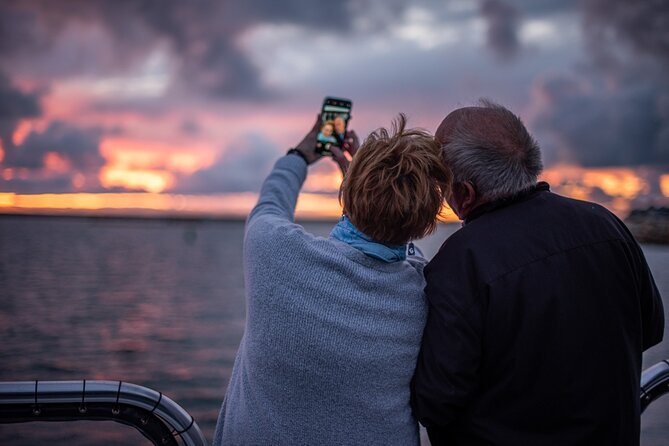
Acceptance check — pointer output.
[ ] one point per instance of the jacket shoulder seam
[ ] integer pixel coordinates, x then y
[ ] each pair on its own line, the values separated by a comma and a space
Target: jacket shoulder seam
562, 251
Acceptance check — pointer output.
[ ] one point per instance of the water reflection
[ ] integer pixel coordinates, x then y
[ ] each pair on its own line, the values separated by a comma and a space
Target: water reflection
144, 302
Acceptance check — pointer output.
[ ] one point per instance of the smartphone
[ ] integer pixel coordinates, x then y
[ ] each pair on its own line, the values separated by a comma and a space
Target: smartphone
335, 114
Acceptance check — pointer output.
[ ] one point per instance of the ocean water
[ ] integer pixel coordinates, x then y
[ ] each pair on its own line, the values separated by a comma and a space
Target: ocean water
158, 303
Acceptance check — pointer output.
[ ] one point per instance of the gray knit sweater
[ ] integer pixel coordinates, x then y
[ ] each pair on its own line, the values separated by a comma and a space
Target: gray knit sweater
331, 337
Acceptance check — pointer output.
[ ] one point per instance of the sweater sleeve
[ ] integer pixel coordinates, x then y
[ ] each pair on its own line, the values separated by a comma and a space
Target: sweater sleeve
278, 195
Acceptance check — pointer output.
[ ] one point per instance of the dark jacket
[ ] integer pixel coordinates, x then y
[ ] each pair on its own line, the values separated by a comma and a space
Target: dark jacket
540, 308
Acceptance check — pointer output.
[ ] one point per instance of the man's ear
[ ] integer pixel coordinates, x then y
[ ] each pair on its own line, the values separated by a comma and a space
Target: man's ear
463, 199
469, 198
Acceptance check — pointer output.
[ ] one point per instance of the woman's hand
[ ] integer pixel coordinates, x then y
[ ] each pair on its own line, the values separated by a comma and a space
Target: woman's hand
307, 147
350, 145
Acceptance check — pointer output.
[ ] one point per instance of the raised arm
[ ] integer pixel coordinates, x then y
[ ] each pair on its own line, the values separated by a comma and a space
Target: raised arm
279, 192
278, 195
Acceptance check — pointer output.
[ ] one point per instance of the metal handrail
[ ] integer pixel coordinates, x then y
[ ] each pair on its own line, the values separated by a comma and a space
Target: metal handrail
654, 383
156, 416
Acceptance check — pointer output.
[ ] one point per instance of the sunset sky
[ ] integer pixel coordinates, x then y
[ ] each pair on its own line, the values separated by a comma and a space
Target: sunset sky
183, 106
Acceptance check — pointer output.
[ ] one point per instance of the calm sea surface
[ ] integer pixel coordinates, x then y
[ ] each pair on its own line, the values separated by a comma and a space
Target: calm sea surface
159, 303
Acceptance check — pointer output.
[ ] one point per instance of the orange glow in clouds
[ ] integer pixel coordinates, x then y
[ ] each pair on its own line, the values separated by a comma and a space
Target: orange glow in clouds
149, 165
56, 163
664, 185
615, 182
21, 132
130, 153
623, 183
149, 180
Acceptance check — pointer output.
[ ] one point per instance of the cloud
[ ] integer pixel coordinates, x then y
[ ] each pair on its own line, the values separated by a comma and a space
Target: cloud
543, 8
614, 109
31, 184
640, 25
14, 106
203, 36
190, 126
18, 30
59, 159
502, 33
587, 123
168, 69
242, 168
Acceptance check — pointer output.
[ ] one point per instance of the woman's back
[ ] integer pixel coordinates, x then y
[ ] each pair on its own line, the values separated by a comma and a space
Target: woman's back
330, 345
333, 326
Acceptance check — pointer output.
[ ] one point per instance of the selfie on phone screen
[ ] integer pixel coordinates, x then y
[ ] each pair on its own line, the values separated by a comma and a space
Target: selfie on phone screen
335, 115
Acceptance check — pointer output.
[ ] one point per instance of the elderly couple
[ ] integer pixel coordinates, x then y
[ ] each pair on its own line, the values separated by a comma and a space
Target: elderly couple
526, 328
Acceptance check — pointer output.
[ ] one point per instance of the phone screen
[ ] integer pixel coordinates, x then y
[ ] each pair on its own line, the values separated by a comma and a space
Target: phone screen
335, 115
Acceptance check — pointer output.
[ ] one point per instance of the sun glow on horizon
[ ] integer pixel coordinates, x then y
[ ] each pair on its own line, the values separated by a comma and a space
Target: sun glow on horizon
221, 205
616, 188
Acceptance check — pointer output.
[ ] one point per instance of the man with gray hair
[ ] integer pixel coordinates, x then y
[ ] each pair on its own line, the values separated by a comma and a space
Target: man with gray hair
539, 306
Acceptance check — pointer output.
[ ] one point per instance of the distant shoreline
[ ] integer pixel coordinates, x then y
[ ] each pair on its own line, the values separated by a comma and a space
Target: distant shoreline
148, 217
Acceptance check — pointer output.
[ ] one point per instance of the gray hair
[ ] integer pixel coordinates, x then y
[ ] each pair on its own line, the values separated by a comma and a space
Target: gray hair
497, 154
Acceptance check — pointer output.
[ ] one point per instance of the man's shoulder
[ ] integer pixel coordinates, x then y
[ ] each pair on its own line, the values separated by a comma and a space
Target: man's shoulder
579, 205
523, 232
545, 212
597, 218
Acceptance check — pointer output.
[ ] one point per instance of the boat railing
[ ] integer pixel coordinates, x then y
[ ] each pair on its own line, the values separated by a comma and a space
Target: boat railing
156, 416
654, 383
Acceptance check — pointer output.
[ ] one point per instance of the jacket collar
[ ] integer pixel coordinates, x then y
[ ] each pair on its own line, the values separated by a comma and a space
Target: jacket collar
504, 202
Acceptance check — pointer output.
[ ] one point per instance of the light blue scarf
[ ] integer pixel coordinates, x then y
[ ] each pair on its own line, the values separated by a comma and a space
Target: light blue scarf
344, 231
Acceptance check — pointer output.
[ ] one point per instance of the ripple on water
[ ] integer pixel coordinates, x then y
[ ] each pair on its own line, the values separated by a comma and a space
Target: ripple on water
147, 302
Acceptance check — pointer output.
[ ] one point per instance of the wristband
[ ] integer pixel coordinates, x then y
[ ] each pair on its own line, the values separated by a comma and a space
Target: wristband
297, 152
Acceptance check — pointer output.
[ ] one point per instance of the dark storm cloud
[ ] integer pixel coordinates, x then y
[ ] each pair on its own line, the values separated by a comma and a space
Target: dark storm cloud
502, 21
14, 106
18, 29
641, 25
203, 34
542, 8
39, 185
596, 127
199, 33
77, 148
628, 48
242, 168
615, 111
